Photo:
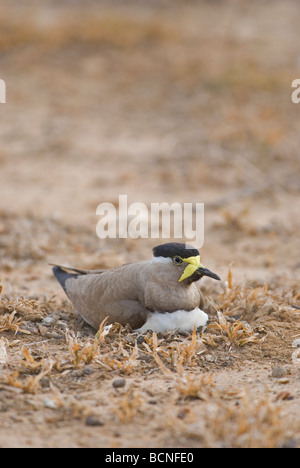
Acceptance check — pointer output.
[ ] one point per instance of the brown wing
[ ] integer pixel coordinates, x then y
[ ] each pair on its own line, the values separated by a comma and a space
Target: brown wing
96, 295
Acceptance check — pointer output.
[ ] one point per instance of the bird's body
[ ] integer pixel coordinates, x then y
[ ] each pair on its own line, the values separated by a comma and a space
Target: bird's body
147, 295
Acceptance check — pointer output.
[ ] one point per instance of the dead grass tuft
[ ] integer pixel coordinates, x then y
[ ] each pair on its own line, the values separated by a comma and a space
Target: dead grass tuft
238, 333
80, 352
173, 350
248, 303
254, 423
11, 323
128, 405
190, 386
250, 422
31, 384
28, 309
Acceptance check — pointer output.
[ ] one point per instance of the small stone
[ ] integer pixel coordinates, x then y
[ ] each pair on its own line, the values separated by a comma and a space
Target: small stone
228, 362
284, 380
279, 372
284, 395
118, 383
184, 333
88, 370
92, 420
145, 358
48, 321
140, 339
296, 343
50, 403
209, 358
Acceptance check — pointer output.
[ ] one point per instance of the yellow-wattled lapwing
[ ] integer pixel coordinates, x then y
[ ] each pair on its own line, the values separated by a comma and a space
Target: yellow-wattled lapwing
159, 294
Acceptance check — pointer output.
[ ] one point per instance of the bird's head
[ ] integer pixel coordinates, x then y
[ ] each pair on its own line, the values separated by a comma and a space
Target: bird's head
185, 259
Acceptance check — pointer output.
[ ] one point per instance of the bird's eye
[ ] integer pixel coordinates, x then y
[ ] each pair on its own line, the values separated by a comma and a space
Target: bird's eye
177, 260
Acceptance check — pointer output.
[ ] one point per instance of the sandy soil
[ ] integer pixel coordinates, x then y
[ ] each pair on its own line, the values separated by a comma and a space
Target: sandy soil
162, 101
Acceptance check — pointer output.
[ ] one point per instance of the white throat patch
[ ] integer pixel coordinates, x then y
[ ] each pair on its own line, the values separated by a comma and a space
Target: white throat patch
181, 319
161, 260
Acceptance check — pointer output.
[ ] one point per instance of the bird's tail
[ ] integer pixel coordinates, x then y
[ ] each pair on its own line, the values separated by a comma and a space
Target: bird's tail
62, 275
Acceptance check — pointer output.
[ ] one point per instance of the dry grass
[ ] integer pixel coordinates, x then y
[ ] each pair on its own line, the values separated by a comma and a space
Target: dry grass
238, 333
28, 309
246, 302
175, 351
81, 353
187, 364
9, 322
252, 423
127, 406
180, 361
31, 384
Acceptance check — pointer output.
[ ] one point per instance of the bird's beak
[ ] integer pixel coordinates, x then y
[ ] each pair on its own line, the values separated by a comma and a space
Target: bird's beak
206, 272
194, 265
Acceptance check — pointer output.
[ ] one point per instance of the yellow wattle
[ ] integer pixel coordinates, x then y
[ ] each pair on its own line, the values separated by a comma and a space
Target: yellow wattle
193, 265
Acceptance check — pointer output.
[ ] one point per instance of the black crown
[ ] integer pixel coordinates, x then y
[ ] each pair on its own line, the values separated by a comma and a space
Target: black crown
172, 249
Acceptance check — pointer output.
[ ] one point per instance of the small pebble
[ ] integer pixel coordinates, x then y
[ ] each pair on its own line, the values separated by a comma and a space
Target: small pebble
48, 321
184, 333
279, 372
209, 358
140, 339
93, 421
284, 395
50, 403
88, 370
284, 380
118, 383
145, 358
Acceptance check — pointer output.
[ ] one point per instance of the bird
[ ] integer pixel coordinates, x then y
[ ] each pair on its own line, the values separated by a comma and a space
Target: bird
158, 294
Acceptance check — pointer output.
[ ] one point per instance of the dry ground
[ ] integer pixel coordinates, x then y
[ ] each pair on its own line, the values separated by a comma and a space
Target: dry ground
163, 101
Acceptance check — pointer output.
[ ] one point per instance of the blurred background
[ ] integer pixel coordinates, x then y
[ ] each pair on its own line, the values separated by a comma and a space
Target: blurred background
162, 100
